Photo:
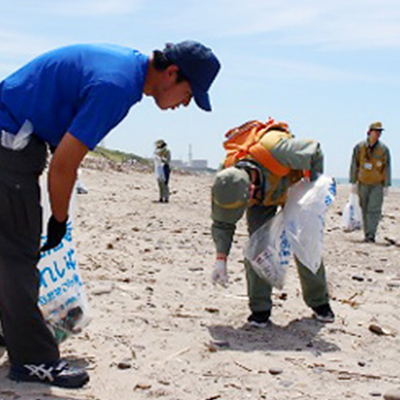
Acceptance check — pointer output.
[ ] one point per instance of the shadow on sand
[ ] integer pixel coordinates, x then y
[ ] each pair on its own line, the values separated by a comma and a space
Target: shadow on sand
299, 335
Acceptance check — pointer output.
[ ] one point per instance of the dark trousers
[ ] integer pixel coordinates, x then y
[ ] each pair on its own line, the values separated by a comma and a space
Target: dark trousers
27, 337
167, 171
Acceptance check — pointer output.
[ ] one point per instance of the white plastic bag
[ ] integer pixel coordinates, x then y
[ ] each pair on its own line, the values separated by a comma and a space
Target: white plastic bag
62, 298
304, 215
268, 251
159, 168
298, 228
352, 215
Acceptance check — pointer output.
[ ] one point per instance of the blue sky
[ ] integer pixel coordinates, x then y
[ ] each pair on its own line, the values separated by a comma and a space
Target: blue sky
328, 68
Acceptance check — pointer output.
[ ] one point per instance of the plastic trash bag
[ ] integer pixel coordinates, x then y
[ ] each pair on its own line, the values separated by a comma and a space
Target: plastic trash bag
298, 228
62, 298
304, 216
159, 169
268, 251
352, 215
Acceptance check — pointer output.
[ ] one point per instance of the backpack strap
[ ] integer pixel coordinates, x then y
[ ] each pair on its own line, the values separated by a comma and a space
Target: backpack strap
251, 140
266, 159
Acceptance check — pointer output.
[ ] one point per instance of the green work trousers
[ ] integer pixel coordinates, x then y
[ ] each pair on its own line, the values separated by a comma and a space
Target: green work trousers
371, 200
163, 190
314, 286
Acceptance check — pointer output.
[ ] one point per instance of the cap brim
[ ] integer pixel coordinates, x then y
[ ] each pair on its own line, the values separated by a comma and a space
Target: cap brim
226, 215
202, 99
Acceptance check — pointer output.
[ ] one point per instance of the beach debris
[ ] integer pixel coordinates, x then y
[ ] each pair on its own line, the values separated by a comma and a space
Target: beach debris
357, 278
212, 310
214, 346
351, 300
125, 364
142, 386
195, 269
393, 394
392, 241
362, 363
175, 355
243, 366
283, 296
374, 328
275, 371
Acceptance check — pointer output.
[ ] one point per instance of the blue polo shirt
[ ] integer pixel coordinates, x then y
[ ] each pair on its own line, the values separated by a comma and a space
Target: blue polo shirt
82, 89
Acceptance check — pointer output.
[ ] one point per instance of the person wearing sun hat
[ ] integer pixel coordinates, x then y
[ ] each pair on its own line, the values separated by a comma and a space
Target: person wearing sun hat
252, 187
370, 176
162, 160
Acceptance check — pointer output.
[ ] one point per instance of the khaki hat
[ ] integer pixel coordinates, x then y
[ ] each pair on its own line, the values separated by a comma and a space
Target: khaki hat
376, 126
230, 195
160, 143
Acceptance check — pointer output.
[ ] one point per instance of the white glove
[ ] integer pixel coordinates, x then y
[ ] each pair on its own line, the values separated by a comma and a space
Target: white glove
354, 188
220, 274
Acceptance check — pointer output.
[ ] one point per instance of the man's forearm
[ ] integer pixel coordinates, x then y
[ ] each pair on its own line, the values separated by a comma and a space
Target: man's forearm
60, 183
62, 174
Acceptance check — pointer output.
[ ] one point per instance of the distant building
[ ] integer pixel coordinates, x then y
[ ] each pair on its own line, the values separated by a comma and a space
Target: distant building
177, 163
190, 164
199, 164
194, 164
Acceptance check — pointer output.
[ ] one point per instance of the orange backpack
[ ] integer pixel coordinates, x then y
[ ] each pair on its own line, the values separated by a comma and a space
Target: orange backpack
248, 141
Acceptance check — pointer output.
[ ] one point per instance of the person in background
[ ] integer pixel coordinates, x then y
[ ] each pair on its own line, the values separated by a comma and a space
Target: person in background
370, 176
162, 160
69, 99
80, 187
257, 184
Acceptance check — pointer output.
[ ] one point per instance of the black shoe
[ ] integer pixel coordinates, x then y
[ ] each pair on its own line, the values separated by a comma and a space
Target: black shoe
259, 319
2, 341
58, 373
324, 313
81, 190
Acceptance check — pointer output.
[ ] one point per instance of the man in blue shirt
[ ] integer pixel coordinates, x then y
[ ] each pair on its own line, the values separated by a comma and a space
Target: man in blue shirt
69, 99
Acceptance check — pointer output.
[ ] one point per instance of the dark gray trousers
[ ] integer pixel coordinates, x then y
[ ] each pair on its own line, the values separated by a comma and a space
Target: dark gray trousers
27, 337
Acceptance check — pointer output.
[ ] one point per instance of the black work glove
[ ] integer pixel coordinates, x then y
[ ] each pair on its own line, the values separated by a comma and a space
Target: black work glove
55, 232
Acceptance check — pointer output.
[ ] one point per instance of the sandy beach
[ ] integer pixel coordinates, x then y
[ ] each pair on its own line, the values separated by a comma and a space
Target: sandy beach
161, 330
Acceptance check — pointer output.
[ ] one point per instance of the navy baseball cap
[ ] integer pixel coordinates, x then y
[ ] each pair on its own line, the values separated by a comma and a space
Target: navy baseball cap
199, 65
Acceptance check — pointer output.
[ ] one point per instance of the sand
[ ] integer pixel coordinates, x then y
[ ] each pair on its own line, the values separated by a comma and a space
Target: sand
161, 330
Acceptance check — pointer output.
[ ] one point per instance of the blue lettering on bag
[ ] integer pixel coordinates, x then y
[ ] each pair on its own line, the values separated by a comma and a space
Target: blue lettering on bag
55, 272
